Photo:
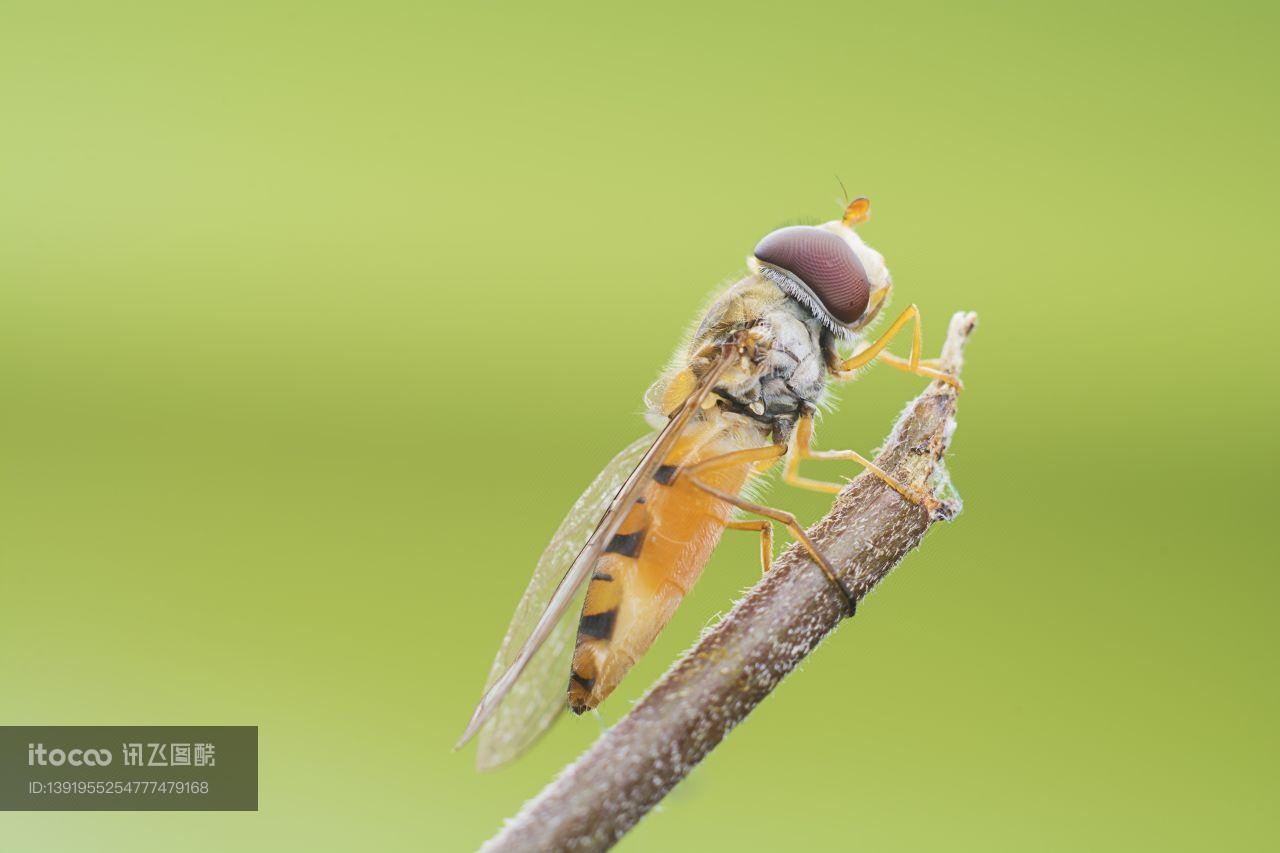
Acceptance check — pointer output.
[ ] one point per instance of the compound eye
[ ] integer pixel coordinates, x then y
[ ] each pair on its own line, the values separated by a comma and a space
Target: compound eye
824, 263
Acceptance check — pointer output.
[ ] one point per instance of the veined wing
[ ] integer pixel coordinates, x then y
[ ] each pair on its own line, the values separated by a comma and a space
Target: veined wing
538, 697
527, 718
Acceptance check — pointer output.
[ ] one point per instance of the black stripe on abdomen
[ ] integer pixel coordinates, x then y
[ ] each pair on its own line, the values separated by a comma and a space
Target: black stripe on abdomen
626, 544
598, 626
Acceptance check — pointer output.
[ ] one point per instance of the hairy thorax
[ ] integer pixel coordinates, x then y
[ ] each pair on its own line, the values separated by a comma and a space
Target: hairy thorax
788, 378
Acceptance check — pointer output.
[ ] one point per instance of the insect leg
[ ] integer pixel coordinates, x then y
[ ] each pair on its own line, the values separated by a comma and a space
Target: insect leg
802, 448
740, 457
765, 528
735, 457
910, 365
905, 364
925, 367
793, 525
760, 454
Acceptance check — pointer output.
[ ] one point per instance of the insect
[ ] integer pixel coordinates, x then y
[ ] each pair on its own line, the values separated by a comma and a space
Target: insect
739, 398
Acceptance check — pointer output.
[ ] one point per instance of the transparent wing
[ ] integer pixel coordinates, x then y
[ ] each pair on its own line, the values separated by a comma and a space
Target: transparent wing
573, 579
537, 697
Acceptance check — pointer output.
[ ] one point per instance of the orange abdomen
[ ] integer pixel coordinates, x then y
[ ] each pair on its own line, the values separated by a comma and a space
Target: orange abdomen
648, 567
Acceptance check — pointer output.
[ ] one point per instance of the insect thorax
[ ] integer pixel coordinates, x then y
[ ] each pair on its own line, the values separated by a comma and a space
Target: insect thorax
796, 348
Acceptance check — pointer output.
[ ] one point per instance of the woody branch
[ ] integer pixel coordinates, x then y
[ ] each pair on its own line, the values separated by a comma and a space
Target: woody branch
713, 687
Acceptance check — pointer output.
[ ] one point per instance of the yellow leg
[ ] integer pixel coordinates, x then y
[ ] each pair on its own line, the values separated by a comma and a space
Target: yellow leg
926, 367
736, 457
905, 364
762, 454
765, 529
793, 525
742, 457
802, 448
910, 365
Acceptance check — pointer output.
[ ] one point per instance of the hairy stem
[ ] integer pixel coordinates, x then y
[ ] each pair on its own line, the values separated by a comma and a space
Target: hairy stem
713, 687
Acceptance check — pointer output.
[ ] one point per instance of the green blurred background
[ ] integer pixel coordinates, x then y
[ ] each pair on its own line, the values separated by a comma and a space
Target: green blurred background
314, 320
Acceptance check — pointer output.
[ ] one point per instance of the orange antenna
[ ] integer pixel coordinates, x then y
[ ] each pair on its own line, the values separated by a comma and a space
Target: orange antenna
858, 211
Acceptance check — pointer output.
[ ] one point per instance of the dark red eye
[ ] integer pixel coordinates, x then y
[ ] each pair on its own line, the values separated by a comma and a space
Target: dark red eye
824, 264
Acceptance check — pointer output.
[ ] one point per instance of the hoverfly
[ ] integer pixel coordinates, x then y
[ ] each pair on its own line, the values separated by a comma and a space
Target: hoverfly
740, 396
